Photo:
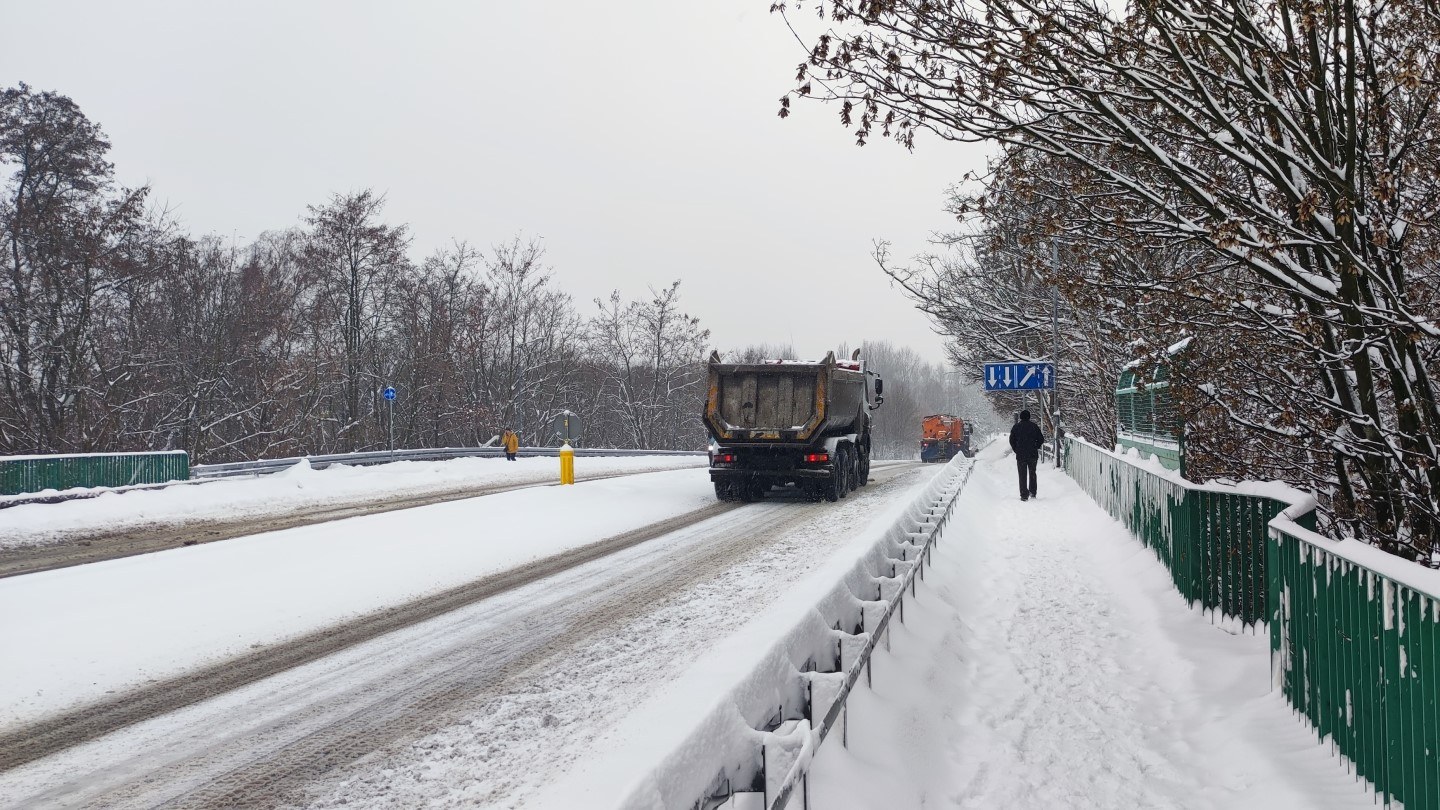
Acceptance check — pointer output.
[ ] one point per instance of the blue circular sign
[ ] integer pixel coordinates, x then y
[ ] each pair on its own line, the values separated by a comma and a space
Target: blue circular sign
389, 392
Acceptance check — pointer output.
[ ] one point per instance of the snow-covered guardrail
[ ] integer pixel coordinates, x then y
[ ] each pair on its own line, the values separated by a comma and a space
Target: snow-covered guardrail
274, 465
756, 747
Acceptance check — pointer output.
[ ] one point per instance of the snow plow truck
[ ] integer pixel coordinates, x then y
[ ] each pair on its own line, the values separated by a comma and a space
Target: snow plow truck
790, 422
942, 436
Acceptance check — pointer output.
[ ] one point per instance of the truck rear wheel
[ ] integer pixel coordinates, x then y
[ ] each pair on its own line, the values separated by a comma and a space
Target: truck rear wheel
722, 491
843, 466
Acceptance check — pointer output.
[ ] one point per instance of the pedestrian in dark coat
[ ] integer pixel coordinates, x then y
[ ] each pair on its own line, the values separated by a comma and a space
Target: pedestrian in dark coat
1026, 440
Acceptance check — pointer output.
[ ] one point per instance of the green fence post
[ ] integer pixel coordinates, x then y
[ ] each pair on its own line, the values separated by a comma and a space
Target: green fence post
1429, 720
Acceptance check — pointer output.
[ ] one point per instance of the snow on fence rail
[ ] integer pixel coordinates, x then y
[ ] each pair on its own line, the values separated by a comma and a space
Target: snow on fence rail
1210, 537
1354, 631
267, 466
755, 748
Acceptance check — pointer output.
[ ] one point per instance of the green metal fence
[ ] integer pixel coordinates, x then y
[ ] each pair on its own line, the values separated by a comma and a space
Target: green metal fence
1357, 653
34, 473
1211, 539
1354, 632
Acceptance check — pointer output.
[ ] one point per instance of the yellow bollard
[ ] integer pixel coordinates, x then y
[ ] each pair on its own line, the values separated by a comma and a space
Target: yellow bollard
567, 464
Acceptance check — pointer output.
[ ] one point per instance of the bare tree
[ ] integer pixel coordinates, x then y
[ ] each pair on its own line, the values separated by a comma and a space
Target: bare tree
1290, 141
442, 308
652, 357
915, 388
356, 260
119, 332
72, 241
532, 344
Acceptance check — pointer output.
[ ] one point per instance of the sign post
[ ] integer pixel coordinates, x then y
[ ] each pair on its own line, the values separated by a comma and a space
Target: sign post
565, 425
390, 406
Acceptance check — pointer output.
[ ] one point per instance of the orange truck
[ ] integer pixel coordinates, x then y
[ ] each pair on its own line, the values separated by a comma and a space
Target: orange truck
942, 436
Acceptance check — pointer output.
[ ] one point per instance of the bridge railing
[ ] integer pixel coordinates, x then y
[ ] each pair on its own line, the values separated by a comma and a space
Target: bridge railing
1355, 647
1354, 632
55, 479
755, 748
272, 465
21, 474
1210, 537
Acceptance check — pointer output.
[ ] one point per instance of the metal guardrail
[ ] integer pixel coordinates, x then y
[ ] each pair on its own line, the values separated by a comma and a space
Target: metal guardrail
268, 466
1354, 632
914, 557
776, 766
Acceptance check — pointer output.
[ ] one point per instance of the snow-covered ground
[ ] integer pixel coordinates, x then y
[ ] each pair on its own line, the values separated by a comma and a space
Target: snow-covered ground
297, 488
669, 751
489, 705
1045, 662
74, 634
1048, 662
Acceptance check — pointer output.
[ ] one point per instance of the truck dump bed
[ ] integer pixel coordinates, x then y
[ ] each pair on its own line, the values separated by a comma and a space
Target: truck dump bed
785, 402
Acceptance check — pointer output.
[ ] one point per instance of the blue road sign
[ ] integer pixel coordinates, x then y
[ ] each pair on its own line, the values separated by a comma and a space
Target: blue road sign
390, 392
1019, 376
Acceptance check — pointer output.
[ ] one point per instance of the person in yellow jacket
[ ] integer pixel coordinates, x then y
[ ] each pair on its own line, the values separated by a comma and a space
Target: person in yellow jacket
511, 443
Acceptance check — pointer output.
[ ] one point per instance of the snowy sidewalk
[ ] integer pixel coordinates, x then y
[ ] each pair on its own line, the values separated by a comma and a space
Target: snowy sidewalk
1049, 663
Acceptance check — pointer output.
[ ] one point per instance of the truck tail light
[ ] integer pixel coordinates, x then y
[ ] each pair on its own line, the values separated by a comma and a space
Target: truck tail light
725, 458
817, 458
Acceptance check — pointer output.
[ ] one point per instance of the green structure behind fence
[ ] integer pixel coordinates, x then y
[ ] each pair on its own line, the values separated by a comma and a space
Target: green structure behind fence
1354, 633
20, 474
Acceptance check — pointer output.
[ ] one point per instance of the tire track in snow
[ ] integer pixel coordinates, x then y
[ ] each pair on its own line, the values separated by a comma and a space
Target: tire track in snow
133, 540
333, 713
29, 743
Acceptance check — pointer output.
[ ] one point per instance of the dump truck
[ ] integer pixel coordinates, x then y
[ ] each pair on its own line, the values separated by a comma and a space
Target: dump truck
790, 423
942, 436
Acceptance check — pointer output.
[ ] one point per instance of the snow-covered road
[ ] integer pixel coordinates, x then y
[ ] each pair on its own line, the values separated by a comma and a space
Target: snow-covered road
76, 634
1048, 662
482, 705
297, 491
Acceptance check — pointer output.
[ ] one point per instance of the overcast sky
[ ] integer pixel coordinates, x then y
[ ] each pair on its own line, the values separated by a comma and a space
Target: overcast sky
638, 139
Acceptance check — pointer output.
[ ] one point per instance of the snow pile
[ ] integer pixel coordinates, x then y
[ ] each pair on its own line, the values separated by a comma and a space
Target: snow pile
763, 732
295, 489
